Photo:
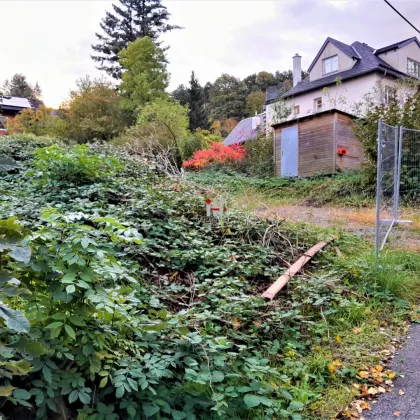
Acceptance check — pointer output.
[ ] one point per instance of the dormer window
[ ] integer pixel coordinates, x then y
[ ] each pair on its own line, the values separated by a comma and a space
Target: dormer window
330, 64
413, 68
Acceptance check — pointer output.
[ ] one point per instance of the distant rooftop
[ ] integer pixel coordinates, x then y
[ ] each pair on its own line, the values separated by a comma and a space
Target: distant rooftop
13, 102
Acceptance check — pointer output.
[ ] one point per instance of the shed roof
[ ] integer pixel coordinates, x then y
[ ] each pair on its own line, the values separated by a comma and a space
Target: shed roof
245, 131
15, 102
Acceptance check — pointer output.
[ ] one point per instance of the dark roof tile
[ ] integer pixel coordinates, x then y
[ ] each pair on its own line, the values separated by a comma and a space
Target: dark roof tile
397, 45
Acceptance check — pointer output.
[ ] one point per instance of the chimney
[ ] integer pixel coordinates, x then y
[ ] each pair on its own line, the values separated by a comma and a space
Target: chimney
297, 69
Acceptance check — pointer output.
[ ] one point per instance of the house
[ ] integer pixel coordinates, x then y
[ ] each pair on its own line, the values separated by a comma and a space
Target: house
313, 121
247, 129
10, 106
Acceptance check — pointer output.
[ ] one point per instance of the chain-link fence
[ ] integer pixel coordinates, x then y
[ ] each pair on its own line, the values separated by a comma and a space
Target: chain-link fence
398, 178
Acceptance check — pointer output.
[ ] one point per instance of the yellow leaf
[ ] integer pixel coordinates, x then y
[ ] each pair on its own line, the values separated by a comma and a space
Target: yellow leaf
5, 391
365, 405
379, 368
331, 369
391, 375
103, 382
372, 391
363, 374
338, 339
337, 363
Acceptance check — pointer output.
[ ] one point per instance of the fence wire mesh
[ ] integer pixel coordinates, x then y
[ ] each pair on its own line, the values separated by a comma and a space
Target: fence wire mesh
387, 182
398, 179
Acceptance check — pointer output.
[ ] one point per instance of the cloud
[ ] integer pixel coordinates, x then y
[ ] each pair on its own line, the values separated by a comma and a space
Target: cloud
50, 41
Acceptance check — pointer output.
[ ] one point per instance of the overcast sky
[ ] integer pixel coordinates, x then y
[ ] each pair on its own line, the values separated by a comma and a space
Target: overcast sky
49, 40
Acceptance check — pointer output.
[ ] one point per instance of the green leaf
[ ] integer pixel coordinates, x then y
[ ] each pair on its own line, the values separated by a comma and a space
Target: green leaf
70, 289
266, 401
286, 395
217, 376
59, 316
54, 325
21, 254
74, 395
55, 332
178, 415
76, 320
39, 398
85, 243
68, 278
14, 320
21, 394
5, 277
84, 397
133, 384
5, 391
243, 389
33, 348
150, 410
46, 372
131, 411
119, 392
296, 417
103, 382
70, 331
296, 405
252, 400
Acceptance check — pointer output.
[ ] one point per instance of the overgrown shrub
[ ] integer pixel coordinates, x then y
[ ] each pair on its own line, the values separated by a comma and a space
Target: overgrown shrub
55, 165
259, 156
199, 140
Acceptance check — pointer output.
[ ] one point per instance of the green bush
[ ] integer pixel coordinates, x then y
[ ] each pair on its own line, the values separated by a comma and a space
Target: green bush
199, 140
77, 165
259, 156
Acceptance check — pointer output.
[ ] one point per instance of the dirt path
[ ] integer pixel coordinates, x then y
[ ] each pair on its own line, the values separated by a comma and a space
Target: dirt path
358, 221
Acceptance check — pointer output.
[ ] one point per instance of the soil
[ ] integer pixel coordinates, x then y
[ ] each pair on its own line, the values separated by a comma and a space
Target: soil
360, 222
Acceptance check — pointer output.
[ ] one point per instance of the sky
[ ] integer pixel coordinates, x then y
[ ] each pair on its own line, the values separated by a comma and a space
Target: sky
49, 41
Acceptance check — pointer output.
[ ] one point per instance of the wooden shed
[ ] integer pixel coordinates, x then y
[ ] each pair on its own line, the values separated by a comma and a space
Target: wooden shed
319, 143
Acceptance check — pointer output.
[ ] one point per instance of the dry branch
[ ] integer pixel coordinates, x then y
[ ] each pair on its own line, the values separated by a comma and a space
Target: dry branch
272, 291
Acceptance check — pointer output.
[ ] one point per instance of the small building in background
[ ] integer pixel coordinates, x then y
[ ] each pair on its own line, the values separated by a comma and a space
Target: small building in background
247, 129
10, 106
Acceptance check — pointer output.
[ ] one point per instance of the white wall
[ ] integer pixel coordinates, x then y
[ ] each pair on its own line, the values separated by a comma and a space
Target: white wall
398, 58
343, 97
344, 61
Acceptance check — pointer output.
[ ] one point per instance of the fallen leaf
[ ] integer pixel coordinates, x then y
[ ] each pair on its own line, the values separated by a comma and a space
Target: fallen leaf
391, 375
337, 363
363, 374
338, 339
396, 413
381, 390
357, 330
331, 369
379, 368
372, 391
401, 392
365, 405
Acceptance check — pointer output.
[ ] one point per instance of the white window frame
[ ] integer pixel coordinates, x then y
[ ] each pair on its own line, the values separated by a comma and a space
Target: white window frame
330, 65
413, 67
318, 104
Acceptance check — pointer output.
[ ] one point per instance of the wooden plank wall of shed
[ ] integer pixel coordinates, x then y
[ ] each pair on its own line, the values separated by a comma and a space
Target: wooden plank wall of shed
316, 143
346, 138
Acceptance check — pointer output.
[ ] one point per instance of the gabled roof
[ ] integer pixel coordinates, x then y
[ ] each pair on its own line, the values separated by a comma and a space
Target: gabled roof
346, 49
367, 62
397, 45
245, 131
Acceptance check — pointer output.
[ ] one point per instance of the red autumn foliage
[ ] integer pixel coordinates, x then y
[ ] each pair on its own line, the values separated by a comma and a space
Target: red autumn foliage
218, 153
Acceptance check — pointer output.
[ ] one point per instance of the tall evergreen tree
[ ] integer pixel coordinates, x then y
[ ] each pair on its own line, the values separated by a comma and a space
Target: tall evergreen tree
20, 87
182, 95
131, 19
199, 117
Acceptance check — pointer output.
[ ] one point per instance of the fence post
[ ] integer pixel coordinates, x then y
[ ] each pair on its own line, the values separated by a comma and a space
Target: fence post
395, 189
398, 178
378, 190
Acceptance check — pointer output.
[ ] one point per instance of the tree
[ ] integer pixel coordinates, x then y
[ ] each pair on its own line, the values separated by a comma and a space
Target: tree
254, 103
131, 19
199, 117
251, 82
264, 79
182, 95
93, 111
227, 98
146, 76
20, 87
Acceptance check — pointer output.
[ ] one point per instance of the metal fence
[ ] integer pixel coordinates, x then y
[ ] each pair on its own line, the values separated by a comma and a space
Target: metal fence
398, 177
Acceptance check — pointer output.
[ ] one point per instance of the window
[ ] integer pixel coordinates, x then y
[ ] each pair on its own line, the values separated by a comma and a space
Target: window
390, 94
296, 110
413, 67
318, 104
330, 64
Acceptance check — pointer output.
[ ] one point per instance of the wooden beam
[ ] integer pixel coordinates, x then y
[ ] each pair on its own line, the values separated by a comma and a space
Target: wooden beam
272, 291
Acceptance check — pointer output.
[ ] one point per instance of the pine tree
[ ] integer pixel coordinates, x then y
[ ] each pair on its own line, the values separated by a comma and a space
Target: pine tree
199, 117
20, 87
132, 19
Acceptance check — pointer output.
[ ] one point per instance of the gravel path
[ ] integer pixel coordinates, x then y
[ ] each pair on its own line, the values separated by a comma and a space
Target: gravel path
392, 406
